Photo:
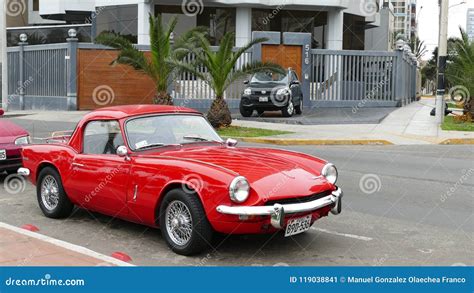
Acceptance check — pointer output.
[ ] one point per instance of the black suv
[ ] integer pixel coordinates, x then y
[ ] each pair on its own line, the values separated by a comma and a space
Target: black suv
267, 91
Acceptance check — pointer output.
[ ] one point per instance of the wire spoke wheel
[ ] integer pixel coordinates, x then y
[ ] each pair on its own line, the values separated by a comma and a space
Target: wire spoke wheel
179, 222
50, 192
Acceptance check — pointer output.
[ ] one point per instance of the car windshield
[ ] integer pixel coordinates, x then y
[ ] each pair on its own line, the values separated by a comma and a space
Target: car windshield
164, 130
269, 77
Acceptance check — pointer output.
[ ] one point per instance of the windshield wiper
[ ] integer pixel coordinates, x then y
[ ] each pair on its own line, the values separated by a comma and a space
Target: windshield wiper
151, 146
198, 138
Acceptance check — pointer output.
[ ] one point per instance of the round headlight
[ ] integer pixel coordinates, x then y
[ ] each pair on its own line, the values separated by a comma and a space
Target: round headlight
247, 92
22, 140
330, 172
239, 189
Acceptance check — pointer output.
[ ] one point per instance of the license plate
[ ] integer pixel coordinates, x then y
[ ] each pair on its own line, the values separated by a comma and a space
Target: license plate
298, 225
3, 155
263, 99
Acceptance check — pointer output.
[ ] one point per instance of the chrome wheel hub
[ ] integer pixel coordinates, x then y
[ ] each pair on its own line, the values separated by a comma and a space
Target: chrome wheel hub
49, 192
179, 223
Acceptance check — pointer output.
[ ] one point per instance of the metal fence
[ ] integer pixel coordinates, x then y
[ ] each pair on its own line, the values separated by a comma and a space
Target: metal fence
188, 86
37, 72
362, 76
44, 77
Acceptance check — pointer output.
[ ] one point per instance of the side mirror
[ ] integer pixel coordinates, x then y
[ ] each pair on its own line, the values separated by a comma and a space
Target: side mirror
230, 142
246, 82
122, 151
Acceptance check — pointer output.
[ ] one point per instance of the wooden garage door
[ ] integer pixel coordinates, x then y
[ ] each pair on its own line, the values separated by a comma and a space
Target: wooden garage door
102, 85
285, 55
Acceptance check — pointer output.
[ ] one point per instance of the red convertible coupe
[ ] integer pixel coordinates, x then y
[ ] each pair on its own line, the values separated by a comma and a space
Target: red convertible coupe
166, 167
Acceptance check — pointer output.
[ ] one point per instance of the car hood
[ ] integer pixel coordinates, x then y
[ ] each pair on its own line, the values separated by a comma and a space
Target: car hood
9, 131
266, 85
274, 173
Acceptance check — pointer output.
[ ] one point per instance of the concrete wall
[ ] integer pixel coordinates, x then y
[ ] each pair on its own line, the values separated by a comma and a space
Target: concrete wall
381, 38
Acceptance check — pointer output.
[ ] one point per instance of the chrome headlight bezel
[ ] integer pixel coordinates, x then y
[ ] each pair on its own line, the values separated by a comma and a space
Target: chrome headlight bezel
24, 140
330, 173
247, 91
239, 189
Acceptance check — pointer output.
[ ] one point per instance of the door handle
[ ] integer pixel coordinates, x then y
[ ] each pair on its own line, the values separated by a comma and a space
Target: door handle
78, 165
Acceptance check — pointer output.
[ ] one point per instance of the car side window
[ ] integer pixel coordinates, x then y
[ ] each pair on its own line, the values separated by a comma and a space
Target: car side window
102, 138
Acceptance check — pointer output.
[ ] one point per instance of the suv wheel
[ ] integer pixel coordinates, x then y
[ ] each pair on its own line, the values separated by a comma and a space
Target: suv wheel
299, 108
289, 110
245, 112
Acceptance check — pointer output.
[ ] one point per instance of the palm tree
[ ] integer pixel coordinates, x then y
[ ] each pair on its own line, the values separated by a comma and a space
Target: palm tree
221, 72
418, 48
460, 70
163, 51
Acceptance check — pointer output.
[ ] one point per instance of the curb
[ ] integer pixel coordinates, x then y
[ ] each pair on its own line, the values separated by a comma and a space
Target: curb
315, 141
457, 141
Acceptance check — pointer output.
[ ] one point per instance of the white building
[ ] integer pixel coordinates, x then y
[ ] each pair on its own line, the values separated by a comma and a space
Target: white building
470, 24
334, 24
403, 17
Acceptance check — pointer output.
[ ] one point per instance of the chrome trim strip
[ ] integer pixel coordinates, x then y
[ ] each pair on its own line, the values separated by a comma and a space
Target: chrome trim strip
335, 197
23, 171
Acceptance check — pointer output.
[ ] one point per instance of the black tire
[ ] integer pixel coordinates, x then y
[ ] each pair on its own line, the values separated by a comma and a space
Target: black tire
245, 111
288, 110
64, 206
299, 108
201, 233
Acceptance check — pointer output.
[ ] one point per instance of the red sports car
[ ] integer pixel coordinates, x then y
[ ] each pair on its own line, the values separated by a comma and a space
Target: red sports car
12, 138
166, 167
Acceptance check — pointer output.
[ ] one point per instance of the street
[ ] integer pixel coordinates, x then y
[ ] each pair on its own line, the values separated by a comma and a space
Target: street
403, 205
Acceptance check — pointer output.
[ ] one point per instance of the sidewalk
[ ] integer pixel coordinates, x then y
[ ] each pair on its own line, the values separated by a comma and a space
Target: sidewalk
407, 125
19, 247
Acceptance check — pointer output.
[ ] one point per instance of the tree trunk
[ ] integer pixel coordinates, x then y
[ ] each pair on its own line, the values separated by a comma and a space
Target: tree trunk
469, 109
219, 113
163, 98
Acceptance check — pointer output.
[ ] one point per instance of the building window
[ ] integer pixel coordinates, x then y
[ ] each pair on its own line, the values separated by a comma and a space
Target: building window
314, 22
35, 5
120, 19
218, 20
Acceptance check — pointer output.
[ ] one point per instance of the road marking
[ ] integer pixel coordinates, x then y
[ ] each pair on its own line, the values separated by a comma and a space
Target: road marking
66, 245
363, 238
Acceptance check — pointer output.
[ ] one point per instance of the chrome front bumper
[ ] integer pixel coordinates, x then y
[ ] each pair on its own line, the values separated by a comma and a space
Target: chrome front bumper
278, 211
23, 172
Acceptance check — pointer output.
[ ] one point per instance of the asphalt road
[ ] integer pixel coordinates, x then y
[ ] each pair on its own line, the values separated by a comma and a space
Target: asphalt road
410, 205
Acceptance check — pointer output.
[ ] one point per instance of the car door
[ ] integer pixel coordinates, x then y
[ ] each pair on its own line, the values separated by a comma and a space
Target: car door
99, 177
295, 87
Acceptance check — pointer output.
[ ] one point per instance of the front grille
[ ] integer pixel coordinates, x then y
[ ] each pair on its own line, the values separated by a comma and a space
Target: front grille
303, 199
